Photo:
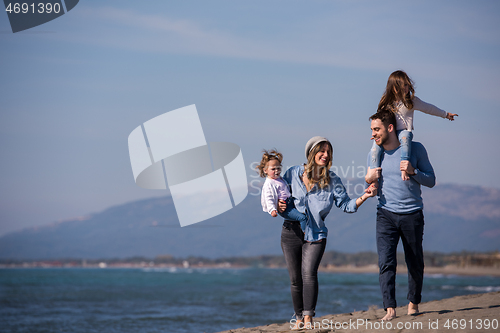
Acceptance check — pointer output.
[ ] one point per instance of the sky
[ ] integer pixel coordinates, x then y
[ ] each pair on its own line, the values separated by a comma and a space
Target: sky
263, 74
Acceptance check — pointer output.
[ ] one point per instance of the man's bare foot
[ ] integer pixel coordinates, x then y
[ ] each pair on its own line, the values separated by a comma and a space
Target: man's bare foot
412, 308
308, 324
391, 314
404, 175
299, 325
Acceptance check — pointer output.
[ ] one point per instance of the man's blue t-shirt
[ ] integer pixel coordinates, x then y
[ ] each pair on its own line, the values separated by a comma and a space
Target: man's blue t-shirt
397, 195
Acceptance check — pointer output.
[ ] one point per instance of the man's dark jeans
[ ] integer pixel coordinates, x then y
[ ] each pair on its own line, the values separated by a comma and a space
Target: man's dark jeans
302, 260
410, 228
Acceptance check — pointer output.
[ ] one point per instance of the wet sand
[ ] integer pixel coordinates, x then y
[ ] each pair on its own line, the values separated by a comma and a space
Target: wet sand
471, 313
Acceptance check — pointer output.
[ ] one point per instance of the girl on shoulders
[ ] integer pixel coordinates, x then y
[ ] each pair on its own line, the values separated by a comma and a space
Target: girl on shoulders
399, 97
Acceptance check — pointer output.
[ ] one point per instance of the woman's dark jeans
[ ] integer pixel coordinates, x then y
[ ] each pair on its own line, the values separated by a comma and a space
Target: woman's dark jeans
302, 260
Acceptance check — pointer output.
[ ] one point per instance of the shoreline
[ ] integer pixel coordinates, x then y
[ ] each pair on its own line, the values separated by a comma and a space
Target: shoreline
432, 270
470, 313
368, 269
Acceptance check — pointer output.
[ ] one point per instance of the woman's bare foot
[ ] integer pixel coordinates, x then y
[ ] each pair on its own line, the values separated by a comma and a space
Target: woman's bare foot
308, 324
404, 175
391, 314
299, 325
412, 308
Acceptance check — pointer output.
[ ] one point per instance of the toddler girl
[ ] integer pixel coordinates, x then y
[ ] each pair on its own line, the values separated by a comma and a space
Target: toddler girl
275, 188
399, 98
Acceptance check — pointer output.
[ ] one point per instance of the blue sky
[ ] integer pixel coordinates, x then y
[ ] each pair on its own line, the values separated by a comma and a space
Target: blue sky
262, 74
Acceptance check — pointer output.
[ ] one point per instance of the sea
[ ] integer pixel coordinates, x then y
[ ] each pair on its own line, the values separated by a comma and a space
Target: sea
141, 300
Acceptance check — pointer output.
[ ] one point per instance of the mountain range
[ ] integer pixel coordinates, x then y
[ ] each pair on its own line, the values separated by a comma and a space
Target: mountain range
457, 218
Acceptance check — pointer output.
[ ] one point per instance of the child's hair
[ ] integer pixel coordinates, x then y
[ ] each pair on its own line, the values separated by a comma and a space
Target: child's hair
266, 157
395, 91
323, 172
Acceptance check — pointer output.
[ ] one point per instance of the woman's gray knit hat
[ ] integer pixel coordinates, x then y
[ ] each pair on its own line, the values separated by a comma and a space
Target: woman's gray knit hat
313, 142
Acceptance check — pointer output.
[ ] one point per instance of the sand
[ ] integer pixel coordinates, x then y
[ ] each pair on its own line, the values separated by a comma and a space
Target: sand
446, 270
471, 313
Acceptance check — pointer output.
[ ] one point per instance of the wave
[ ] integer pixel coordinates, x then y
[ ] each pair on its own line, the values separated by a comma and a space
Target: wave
484, 289
447, 287
435, 276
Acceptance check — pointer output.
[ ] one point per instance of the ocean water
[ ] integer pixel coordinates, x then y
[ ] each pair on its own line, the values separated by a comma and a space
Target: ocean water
187, 300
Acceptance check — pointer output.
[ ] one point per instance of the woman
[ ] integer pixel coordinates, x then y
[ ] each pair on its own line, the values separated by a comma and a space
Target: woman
314, 190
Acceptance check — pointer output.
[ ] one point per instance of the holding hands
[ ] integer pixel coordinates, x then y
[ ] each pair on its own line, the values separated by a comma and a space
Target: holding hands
371, 190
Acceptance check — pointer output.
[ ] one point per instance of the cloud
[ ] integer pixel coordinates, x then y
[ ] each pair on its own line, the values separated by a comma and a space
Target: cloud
338, 36
443, 48
301, 44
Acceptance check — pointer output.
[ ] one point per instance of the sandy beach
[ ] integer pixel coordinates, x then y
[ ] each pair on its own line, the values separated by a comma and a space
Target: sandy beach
446, 270
471, 313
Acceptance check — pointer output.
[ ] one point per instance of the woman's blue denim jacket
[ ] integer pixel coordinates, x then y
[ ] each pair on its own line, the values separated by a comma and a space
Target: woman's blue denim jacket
317, 203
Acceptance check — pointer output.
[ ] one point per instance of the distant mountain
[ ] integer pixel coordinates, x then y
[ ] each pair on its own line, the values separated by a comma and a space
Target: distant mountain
457, 218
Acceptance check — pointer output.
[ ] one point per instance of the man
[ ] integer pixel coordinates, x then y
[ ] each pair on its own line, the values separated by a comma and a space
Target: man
399, 211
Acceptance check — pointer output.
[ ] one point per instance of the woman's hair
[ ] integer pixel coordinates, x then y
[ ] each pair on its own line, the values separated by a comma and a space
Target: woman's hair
322, 172
266, 157
395, 92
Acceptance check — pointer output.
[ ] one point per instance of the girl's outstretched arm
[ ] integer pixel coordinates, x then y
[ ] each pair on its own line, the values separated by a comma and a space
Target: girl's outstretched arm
428, 108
